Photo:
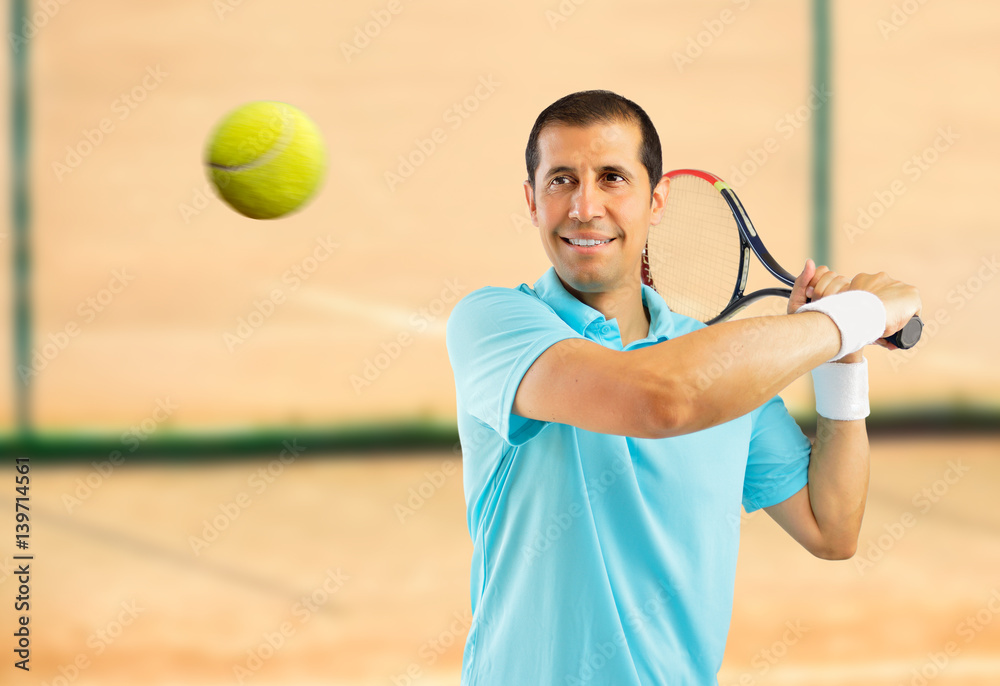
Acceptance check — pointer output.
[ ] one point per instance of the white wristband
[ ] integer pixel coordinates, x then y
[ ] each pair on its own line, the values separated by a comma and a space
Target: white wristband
859, 315
841, 390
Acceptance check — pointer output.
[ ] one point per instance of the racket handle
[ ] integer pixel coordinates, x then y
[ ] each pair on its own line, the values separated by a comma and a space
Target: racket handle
908, 336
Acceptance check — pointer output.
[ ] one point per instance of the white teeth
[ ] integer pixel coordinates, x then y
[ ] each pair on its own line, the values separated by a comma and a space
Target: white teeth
587, 242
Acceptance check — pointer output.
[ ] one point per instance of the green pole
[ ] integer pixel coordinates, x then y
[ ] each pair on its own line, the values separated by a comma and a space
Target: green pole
821, 133
20, 216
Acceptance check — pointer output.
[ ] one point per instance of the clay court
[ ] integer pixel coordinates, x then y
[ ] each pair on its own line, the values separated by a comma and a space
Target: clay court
336, 573
305, 565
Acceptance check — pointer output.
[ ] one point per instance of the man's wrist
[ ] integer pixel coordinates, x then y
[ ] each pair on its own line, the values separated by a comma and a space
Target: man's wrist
842, 390
851, 358
859, 316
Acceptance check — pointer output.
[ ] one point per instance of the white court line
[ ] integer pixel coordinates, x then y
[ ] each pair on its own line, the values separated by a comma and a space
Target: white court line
891, 672
388, 316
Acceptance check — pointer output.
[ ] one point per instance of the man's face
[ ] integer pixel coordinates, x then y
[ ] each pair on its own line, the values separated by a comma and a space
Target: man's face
591, 203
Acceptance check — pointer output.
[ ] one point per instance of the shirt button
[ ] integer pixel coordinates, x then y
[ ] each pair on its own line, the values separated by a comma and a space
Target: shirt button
605, 329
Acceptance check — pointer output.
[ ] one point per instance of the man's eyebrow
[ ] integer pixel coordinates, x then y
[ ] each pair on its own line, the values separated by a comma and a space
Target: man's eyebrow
614, 169
563, 169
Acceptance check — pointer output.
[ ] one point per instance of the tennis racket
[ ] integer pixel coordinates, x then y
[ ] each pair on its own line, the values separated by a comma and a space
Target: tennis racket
698, 257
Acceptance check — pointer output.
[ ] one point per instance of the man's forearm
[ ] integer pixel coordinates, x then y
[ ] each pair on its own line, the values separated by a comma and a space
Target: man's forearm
838, 478
725, 371
838, 482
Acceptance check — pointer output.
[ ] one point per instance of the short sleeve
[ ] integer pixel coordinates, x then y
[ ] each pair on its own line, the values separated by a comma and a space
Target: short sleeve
778, 462
494, 336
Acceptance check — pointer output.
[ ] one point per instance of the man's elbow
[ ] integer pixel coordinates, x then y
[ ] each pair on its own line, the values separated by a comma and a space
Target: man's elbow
836, 550
669, 410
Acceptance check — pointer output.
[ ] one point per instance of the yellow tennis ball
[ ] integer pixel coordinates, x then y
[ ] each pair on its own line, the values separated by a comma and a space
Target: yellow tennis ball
266, 159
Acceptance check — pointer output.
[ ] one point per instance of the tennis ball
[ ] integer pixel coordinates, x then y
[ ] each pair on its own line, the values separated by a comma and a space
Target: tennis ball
266, 159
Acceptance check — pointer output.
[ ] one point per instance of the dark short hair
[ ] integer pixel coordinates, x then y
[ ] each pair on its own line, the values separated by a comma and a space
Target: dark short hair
598, 107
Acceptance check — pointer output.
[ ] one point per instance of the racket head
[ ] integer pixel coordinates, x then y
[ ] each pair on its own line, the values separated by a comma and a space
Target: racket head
696, 257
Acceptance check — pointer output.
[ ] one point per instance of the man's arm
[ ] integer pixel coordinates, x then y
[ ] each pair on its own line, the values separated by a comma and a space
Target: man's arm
698, 380
692, 382
825, 516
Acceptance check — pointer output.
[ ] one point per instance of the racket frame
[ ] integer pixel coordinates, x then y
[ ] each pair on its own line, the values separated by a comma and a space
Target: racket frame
905, 338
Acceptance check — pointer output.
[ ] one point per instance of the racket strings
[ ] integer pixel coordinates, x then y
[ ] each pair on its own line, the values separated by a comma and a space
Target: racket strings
694, 253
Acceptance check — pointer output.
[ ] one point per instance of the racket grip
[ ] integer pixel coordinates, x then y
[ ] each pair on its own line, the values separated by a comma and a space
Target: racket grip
908, 336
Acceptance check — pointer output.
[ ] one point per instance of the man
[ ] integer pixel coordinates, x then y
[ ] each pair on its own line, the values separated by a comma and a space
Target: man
603, 477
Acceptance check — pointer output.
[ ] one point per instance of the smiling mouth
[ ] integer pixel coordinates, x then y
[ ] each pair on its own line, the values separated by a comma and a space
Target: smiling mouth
586, 242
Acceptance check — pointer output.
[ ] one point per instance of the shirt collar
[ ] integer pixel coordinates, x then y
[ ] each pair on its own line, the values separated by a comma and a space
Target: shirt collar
579, 316
575, 313
662, 319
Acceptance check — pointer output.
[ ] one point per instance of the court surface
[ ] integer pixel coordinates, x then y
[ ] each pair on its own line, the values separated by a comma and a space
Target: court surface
338, 570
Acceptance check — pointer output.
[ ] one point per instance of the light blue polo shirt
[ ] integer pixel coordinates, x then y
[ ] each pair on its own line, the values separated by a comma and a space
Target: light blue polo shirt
598, 559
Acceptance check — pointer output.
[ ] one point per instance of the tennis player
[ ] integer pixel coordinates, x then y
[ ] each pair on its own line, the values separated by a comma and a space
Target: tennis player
610, 443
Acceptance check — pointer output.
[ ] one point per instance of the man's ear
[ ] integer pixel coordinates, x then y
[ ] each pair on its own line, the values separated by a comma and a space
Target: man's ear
529, 195
659, 202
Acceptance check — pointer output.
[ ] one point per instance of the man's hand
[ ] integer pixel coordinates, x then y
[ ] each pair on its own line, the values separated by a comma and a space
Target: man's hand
901, 300
815, 283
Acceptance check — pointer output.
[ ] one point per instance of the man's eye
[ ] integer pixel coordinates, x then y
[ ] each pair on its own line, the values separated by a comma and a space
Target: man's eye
559, 181
614, 178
